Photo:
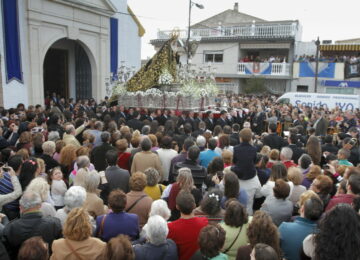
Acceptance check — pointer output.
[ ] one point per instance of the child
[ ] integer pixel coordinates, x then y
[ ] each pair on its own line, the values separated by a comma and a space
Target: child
57, 187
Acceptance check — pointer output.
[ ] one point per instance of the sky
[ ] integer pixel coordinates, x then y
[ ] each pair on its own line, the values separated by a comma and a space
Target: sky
328, 19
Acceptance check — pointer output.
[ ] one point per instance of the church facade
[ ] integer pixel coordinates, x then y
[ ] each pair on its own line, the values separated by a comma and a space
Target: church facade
67, 47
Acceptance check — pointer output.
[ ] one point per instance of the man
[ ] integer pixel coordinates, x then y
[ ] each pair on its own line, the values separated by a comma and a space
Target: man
235, 137
272, 139
321, 124
285, 156
71, 133
198, 172
97, 131
352, 187
222, 121
135, 122
209, 121
200, 130
343, 155
185, 231
116, 177
180, 158
207, 156
329, 147
98, 153
31, 223
297, 151
292, 234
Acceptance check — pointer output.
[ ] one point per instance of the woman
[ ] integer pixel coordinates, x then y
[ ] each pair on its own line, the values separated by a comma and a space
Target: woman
338, 236
24, 141
227, 157
123, 156
263, 173
166, 154
40, 186
118, 248
13, 193
77, 242
236, 223
138, 202
313, 148
274, 156
260, 230
117, 222
34, 248
59, 145
210, 206
279, 207
211, 240
278, 171
224, 144
263, 252
67, 159
154, 142
296, 177
153, 188
27, 172
157, 246
93, 203
304, 163
314, 172
74, 198
232, 190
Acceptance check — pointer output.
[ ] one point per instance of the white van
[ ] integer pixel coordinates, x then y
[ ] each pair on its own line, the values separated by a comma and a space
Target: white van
344, 102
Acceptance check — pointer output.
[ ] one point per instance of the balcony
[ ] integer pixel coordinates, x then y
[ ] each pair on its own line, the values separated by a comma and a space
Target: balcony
251, 31
264, 69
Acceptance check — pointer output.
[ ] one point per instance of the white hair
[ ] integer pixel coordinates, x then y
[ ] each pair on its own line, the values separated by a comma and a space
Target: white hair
83, 161
200, 141
91, 181
53, 136
156, 230
48, 147
287, 153
74, 198
30, 199
40, 186
160, 207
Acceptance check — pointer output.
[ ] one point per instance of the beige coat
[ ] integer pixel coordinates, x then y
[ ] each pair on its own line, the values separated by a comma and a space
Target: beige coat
142, 208
144, 160
89, 249
71, 139
94, 205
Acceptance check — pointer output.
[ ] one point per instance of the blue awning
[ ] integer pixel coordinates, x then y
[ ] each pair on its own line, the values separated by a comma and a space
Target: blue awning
340, 83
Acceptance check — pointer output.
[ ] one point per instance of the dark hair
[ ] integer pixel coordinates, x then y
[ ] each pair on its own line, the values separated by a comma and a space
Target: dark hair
356, 203
187, 128
305, 161
210, 204
211, 240
105, 137
278, 171
339, 234
224, 141
265, 252
194, 153
328, 139
188, 143
293, 138
354, 183
272, 127
111, 157
146, 144
236, 127
33, 248
166, 142
212, 143
185, 202
27, 172
235, 213
117, 200
313, 208
281, 189
215, 165
135, 114
15, 162
231, 186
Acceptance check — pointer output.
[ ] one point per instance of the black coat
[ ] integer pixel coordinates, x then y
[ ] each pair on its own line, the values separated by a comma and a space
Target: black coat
297, 152
135, 124
117, 178
210, 124
198, 172
274, 141
98, 156
244, 161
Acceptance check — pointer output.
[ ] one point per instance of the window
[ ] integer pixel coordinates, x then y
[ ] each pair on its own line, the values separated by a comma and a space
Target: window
302, 88
213, 56
339, 90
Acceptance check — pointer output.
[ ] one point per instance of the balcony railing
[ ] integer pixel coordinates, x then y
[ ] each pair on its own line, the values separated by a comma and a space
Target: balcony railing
245, 31
263, 68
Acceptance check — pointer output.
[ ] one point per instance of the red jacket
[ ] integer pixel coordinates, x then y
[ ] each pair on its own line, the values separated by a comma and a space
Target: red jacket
341, 198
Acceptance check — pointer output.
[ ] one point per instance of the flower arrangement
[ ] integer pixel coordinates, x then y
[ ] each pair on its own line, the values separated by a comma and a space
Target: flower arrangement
165, 78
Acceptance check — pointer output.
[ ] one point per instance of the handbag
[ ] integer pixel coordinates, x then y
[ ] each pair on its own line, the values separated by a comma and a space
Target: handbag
227, 249
136, 202
73, 250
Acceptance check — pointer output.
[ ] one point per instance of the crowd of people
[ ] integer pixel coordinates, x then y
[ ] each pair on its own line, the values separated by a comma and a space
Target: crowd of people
354, 59
266, 59
260, 180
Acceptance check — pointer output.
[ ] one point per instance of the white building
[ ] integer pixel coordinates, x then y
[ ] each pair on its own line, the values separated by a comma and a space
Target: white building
230, 37
64, 46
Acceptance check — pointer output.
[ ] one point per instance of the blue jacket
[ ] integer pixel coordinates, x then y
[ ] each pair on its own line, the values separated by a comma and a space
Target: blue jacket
148, 251
207, 156
293, 234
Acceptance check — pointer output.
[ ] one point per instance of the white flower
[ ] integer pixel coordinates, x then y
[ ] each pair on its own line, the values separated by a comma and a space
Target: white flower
165, 78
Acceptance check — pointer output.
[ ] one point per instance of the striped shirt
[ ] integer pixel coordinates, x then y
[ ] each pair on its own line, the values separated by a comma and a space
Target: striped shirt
6, 187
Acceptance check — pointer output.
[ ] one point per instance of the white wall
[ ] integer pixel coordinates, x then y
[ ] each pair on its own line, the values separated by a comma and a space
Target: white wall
129, 40
16, 92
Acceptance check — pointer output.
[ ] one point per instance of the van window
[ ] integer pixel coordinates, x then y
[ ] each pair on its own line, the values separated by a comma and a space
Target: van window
302, 88
333, 90
284, 101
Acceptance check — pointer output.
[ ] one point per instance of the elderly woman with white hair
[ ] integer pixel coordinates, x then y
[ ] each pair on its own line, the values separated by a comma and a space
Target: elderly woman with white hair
42, 188
157, 246
74, 198
49, 149
93, 203
82, 162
